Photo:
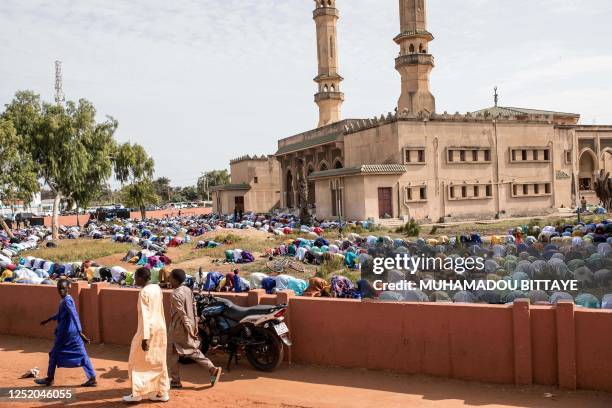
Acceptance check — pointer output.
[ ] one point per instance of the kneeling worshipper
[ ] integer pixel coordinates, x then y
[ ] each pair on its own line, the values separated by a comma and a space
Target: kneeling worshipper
147, 362
69, 348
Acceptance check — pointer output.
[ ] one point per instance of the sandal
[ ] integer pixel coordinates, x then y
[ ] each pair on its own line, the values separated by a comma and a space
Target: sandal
215, 377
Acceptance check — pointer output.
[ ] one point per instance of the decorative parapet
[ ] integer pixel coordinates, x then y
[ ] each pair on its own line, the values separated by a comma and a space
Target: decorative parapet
325, 11
414, 59
358, 125
247, 157
412, 34
322, 96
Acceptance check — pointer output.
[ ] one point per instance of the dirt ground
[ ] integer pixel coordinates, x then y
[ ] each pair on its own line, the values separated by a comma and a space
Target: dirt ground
290, 386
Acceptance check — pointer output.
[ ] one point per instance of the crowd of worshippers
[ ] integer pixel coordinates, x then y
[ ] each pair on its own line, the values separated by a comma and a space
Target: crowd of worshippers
575, 251
34, 270
580, 252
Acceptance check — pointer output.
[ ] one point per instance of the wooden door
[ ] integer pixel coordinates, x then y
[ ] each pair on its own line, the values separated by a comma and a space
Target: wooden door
385, 205
239, 203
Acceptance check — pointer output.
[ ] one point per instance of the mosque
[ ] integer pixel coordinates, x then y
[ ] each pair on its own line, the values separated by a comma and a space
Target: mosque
418, 163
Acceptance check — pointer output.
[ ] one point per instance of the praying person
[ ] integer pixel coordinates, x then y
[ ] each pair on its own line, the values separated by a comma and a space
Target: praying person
147, 362
69, 347
183, 337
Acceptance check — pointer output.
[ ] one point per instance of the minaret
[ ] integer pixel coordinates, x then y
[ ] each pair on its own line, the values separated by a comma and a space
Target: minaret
329, 98
414, 62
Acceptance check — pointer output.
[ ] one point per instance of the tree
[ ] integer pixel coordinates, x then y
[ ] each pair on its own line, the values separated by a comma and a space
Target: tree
163, 189
70, 150
190, 193
99, 143
211, 179
138, 195
18, 179
134, 166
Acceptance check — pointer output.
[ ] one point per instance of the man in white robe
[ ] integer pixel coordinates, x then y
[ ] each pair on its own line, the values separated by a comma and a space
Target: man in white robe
147, 363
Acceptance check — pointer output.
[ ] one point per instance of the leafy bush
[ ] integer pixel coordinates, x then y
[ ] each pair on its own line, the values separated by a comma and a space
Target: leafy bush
411, 229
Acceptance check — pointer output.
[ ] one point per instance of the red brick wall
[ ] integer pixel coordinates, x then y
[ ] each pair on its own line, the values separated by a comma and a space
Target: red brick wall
509, 344
71, 220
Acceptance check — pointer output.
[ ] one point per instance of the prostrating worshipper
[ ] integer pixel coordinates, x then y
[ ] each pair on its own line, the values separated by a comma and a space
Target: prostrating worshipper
183, 337
147, 362
69, 348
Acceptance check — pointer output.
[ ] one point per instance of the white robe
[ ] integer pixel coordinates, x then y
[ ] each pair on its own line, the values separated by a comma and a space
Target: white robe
148, 370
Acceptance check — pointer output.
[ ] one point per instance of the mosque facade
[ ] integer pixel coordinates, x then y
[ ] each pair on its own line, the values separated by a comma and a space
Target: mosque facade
418, 163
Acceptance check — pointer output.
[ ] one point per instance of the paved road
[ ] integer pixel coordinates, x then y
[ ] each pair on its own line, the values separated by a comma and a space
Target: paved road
291, 386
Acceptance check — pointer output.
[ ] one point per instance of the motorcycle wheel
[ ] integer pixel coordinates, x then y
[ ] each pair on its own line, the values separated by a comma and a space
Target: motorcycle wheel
267, 356
204, 343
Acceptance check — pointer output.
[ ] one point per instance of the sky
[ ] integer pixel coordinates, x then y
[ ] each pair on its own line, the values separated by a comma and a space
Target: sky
199, 82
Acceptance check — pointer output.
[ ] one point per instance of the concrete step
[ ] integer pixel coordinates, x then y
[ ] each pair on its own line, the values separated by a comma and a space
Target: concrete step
391, 222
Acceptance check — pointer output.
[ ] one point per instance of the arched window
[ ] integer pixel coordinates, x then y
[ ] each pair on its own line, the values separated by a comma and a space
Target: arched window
411, 49
420, 47
333, 88
587, 168
338, 164
323, 166
325, 88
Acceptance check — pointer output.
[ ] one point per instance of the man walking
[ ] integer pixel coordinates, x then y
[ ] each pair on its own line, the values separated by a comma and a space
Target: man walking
69, 347
147, 362
183, 335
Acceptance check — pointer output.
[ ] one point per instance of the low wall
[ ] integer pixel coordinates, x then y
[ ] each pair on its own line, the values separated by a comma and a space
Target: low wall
506, 344
71, 220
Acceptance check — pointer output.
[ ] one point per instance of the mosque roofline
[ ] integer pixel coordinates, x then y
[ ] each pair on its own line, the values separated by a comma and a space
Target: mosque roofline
509, 110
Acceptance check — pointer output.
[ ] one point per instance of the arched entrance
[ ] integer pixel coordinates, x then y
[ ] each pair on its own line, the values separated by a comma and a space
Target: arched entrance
587, 167
289, 190
606, 160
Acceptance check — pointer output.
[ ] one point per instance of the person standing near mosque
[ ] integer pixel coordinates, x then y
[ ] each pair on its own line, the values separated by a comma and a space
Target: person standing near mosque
147, 362
69, 346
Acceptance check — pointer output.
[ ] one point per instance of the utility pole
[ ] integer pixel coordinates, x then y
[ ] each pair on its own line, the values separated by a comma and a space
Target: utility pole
59, 84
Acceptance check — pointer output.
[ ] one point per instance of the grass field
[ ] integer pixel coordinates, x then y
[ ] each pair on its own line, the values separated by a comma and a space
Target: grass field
79, 250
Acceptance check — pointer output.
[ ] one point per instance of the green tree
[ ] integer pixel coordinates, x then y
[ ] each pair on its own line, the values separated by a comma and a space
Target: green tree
18, 179
70, 149
177, 195
211, 179
138, 195
134, 166
163, 189
190, 193
99, 144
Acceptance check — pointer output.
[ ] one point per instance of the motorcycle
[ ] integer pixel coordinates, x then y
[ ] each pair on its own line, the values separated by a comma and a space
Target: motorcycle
259, 331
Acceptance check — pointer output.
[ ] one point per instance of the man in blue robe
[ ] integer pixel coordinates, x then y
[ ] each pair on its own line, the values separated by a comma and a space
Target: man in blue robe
69, 348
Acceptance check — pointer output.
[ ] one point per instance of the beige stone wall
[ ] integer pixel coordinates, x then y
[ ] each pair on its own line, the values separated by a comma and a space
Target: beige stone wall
263, 177
227, 200
546, 178
324, 199
437, 173
261, 201
495, 168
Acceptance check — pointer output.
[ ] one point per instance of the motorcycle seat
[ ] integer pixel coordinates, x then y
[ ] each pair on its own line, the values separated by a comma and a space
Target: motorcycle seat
238, 313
